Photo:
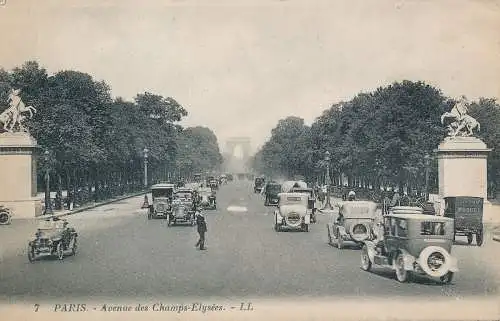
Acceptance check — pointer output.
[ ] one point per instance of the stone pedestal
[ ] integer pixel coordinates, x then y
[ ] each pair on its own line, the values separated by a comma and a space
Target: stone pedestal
462, 163
18, 175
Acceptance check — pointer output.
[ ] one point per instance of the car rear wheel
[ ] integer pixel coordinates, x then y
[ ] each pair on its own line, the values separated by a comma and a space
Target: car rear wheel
4, 218
59, 251
366, 264
31, 253
399, 266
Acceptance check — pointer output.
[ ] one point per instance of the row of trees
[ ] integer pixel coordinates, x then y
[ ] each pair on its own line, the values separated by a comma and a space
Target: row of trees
376, 139
96, 143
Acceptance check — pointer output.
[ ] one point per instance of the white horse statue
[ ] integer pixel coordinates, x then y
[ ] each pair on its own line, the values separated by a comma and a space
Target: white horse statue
462, 124
13, 115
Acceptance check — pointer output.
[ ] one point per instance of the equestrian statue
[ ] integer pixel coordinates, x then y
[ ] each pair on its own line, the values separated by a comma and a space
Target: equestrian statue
458, 122
12, 118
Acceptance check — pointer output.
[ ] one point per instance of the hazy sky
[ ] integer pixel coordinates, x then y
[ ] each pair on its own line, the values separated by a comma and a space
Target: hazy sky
240, 66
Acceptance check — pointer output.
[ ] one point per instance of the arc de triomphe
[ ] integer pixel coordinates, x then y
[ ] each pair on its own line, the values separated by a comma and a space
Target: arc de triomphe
233, 163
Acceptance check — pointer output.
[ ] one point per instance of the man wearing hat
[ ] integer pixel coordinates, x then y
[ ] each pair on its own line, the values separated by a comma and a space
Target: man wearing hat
202, 229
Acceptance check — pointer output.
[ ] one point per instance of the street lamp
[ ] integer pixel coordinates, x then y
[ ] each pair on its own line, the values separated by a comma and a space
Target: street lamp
427, 162
145, 151
48, 203
328, 205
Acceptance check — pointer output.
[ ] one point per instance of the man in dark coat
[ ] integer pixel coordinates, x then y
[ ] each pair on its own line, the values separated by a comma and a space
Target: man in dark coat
202, 229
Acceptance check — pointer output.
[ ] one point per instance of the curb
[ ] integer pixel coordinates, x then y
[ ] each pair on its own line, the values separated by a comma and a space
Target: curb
85, 208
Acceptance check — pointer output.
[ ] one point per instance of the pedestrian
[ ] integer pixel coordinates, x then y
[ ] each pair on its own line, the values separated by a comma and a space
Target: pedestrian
202, 229
351, 196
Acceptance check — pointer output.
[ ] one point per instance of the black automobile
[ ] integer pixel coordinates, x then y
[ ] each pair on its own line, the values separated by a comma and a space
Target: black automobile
271, 191
258, 185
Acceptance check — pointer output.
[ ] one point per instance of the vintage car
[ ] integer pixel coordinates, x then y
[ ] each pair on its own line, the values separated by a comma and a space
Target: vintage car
198, 177
208, 199
271, 191
162, 200
467, 213
292, 212
53, 237
312, 200
354, 223
413, 243
214, 184
258, 184
188, 199
5, 215
182, 212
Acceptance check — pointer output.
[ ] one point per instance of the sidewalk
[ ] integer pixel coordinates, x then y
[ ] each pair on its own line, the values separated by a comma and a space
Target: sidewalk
87, 206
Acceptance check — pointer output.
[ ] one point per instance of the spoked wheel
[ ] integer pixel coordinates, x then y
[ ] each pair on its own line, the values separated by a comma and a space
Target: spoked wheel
447, 278
401, 273
31, 253
74, 247
366, 264
60, 251
469, 238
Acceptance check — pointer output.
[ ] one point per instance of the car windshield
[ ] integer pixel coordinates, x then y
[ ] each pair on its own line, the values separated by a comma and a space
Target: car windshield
50, 225
432, 228
163, 192
305, 191
274, 188
292, 200
183, 195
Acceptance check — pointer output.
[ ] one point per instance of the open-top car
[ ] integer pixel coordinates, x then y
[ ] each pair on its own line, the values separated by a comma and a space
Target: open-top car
292, 212
208, 199
271, 191
183, 207
354, 223
53, 237
162, 200
312, 200
467, 213
413, 243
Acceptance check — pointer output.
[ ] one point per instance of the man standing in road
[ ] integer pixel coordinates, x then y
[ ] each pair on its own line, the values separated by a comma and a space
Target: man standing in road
202, 229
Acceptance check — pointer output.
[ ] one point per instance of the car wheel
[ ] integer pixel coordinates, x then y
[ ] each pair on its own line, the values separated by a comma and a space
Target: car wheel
31, 253
401, 273
59, 251
74, 247
479, 238
469, 238
329, 235
366, 264
447, 278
